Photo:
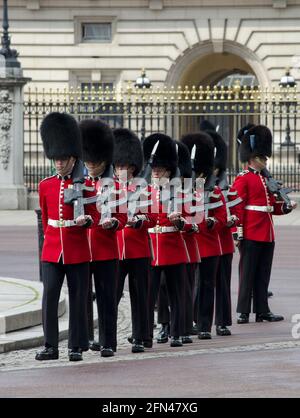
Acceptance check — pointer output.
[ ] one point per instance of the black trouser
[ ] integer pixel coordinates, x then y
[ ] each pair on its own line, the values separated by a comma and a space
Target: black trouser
138, 279
105, 278
223, 291
77, 278
175, 276
90, 310
255, 267
206, 293
163, 311
189, 297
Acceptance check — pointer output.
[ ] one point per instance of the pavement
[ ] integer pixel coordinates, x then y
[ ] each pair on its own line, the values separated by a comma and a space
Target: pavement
258, 360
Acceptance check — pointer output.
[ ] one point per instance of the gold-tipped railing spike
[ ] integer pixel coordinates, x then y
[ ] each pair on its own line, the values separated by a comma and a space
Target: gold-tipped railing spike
215, 92
237, 89
193, 92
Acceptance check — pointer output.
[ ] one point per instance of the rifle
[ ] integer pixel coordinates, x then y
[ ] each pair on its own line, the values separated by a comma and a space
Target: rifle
148, 169
146, 176
104, 198
224, 186
275, 187
223, 181
193, 155
74, 194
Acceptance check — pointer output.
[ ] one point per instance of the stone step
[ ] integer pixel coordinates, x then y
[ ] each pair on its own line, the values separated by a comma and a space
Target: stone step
21, 305
34, 336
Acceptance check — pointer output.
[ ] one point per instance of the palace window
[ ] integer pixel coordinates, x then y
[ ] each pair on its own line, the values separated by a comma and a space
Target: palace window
96, 32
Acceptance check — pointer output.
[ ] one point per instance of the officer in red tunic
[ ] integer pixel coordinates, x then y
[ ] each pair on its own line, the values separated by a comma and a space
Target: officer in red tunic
98, 146
66, 250
167, 242
240, 135
255, 219
208, 236
133, 240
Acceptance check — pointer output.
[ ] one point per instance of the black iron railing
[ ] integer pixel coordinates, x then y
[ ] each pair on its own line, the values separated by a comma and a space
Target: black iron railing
175, 112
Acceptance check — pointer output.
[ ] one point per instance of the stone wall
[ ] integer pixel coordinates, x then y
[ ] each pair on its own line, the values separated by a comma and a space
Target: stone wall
166, 37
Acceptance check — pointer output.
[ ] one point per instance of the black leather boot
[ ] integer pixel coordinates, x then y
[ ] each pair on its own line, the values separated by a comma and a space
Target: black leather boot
194, 330
163, 335
243, 318
205, 335
107, 352
94, 346
186, 339
137, 346
222, 330
48, 353
269, 316
176, 342
75, 354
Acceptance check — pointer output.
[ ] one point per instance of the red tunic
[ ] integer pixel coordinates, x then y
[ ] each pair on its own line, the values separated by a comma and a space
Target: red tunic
225, 234
208, 239
135, 243
257, 225
69, 243
168, 248
192, 247
103, 242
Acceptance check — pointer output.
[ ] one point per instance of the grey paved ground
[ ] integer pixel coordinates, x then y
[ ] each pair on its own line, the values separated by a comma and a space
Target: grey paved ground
232, 374
258, 360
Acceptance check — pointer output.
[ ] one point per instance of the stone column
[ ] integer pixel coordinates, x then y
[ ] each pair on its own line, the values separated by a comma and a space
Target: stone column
13, 194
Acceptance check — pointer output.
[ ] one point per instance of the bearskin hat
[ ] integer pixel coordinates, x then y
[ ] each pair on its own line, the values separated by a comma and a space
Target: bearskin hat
221, 151
128, 149
243, 131
256, 142
204, 158
60, 136
165, 156
184, 160
206, 125
97, 141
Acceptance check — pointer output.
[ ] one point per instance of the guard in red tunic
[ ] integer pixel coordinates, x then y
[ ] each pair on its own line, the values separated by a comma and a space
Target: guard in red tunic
208, 236
256, 225
133, 240
163, 316
66, 250
223, 315
168, 246
98, 146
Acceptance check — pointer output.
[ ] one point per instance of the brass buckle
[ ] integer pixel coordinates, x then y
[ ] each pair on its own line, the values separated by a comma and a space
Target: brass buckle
159, 229
61, 223
269, 209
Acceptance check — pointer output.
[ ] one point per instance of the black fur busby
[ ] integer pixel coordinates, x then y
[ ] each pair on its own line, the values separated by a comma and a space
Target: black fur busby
221, 151
165, 156
60, 135
256, 142
184, 160
204, 159
97, 141
128, 149
243, 131
206, 125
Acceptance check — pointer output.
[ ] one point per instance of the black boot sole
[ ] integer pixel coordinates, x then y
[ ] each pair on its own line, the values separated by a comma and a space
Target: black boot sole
162, 341
46, 358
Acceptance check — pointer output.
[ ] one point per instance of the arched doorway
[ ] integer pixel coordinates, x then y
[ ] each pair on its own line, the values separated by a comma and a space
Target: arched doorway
212, 68
204, 66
